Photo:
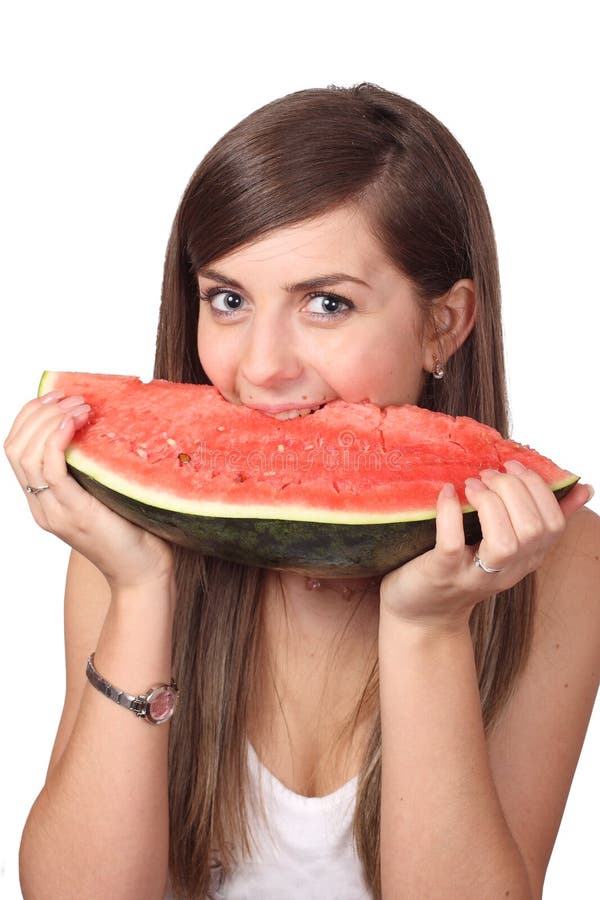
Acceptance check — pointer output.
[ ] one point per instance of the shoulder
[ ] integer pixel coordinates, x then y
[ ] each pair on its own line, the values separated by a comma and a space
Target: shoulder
535, 746
574, 562
568, 600
566, 643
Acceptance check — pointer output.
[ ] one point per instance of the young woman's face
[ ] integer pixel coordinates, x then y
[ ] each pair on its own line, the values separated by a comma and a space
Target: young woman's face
310, 313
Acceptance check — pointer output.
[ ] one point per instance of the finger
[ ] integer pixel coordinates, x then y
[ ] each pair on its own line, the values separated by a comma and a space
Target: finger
548, 506
500, 544
28, 424
450, 534
53, 508
33, 407
55, 469
27, 449
577, 497
44, 464
533, 511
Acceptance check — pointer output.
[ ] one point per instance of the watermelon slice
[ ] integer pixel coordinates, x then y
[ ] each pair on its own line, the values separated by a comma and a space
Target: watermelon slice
349, 490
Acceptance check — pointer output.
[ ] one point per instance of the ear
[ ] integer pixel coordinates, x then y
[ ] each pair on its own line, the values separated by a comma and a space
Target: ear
451, 321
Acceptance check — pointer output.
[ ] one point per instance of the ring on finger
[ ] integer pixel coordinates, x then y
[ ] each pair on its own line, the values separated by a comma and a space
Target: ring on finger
29, 489
488, 569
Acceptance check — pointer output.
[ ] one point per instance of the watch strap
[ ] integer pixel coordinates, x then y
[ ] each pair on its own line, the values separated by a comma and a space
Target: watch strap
106, 688
138, 704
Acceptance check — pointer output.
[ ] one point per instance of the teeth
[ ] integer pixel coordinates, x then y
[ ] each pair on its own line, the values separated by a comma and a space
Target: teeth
295, 413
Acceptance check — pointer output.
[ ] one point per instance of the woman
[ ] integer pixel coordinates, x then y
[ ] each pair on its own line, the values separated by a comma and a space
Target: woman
336, 243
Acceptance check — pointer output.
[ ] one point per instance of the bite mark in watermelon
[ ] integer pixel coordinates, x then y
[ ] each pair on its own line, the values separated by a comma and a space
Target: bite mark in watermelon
348, 490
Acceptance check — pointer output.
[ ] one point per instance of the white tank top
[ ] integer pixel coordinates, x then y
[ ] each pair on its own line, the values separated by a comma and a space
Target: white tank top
310, 855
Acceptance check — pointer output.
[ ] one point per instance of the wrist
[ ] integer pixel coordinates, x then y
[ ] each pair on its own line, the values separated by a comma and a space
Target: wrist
134, 649
423, 628
156, 593
144, 573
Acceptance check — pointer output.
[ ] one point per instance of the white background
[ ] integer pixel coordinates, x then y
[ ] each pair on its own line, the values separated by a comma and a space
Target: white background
106, 110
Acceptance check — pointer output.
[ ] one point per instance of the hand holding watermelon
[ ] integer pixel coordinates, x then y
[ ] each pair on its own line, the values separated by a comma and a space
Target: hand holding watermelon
520, 520
126, 554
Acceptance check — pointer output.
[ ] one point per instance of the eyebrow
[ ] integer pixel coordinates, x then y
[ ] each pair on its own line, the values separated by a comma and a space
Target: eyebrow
320, 281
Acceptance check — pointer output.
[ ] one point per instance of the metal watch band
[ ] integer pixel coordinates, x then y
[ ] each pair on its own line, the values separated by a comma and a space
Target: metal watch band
162, 696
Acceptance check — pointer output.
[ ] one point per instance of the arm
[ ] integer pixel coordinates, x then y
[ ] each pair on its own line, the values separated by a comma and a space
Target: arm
443, 831
461, 816
99, 827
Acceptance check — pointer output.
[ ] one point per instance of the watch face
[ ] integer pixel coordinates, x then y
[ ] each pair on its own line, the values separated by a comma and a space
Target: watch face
161, 704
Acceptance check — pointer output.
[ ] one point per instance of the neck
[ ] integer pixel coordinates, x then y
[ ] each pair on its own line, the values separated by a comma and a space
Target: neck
310, 614
346, 587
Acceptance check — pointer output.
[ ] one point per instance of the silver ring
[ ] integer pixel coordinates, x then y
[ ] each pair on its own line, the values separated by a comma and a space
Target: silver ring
35, 490
485, 568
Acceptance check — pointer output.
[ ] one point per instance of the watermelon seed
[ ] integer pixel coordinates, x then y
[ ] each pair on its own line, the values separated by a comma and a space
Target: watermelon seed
280, 447
220, 428
141, 452
171, 442
184, 457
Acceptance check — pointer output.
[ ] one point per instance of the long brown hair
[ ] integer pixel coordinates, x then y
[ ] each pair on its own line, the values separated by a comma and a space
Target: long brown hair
293, 159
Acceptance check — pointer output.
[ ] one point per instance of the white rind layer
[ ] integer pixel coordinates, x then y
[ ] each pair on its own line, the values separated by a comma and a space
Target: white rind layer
202, 507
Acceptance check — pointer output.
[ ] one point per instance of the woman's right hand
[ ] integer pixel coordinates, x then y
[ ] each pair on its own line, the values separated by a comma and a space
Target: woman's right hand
127, 555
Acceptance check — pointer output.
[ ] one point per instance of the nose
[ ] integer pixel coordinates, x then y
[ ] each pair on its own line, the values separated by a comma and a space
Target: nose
269, 354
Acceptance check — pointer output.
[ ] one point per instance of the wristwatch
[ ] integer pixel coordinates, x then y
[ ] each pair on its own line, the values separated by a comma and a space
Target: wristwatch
156, 706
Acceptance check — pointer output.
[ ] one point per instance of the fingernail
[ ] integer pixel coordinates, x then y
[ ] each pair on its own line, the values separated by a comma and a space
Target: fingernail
514, 466
70, 402
474, 484
51, 396
591, 492
74, 412
488, 473
448, 491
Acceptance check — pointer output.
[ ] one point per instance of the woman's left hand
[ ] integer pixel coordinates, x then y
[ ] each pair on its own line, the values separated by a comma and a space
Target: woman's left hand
520, 520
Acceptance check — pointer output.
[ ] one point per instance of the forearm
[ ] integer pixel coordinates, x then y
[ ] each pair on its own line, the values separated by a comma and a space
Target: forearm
443, 832
100, 825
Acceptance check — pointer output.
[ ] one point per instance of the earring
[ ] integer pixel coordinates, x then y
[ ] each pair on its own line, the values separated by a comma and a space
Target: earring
438, 369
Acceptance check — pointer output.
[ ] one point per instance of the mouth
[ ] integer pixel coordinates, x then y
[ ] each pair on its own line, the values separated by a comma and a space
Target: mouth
296, 413
289, 412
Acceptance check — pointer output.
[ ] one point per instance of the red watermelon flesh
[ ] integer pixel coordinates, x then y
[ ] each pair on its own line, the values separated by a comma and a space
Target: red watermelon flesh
182, 461
345, 462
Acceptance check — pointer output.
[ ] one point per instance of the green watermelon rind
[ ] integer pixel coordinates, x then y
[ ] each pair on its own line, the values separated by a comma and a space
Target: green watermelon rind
320, 548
